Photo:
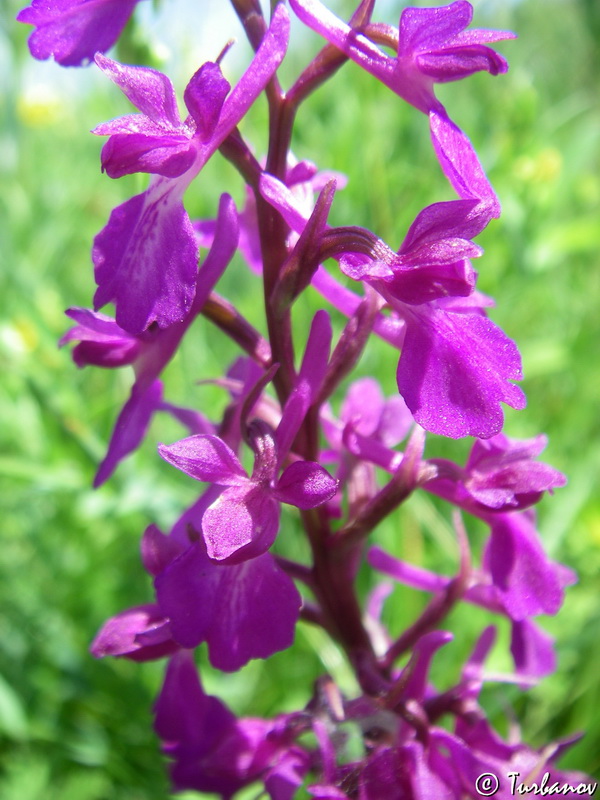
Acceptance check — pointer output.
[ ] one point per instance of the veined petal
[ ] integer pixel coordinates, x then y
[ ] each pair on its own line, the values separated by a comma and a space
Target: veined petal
455, 369
227, 605
245, 602
423, 29
205, 458
146, 258
149, 90
241, 524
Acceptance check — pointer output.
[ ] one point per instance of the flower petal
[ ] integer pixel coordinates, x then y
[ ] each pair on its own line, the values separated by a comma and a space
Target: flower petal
72, 31
205, 458
149, 90
455, 369
146, 258
241, 524
305, 484
130, 427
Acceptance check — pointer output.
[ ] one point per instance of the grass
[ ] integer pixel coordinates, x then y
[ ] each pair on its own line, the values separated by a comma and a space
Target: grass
76, 729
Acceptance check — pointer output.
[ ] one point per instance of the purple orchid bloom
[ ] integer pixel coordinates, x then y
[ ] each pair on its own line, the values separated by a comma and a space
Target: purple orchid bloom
243, 521
145, 257
500, 475
73, 31
433, 46
140, 634
212, 751
227, 605
527, 582
104, 343
456, 366
199, 600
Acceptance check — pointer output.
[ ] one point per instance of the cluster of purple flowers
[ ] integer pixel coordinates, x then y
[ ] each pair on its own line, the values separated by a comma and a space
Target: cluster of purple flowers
215, 575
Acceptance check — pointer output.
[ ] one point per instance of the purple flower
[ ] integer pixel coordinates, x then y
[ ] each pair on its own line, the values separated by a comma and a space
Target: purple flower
145, 257
73, 31
140, 634
104, 343
433, 46
455, 369
434, 259
199, 600
456, 366
244, 519
527, 582
226, 605
212, 751
500, 475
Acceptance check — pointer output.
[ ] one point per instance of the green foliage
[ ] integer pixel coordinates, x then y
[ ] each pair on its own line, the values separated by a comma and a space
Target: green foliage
76, 729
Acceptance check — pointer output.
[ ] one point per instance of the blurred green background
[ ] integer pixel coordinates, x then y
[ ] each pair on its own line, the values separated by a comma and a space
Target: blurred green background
77, 729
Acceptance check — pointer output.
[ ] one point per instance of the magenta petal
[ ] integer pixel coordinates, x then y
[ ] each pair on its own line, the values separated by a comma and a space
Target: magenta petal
528, 582
130, 428
149, 90
140, 634
205, 458
454, 64
268, 57
454, 371
227, 606
241, 524
459, 162
146, 258
169, 155
453, 219
74, 30
101, 341
305, 484
502, 473
311, 376
250, 624
204, 97
191, 724
532, 650
423, 29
